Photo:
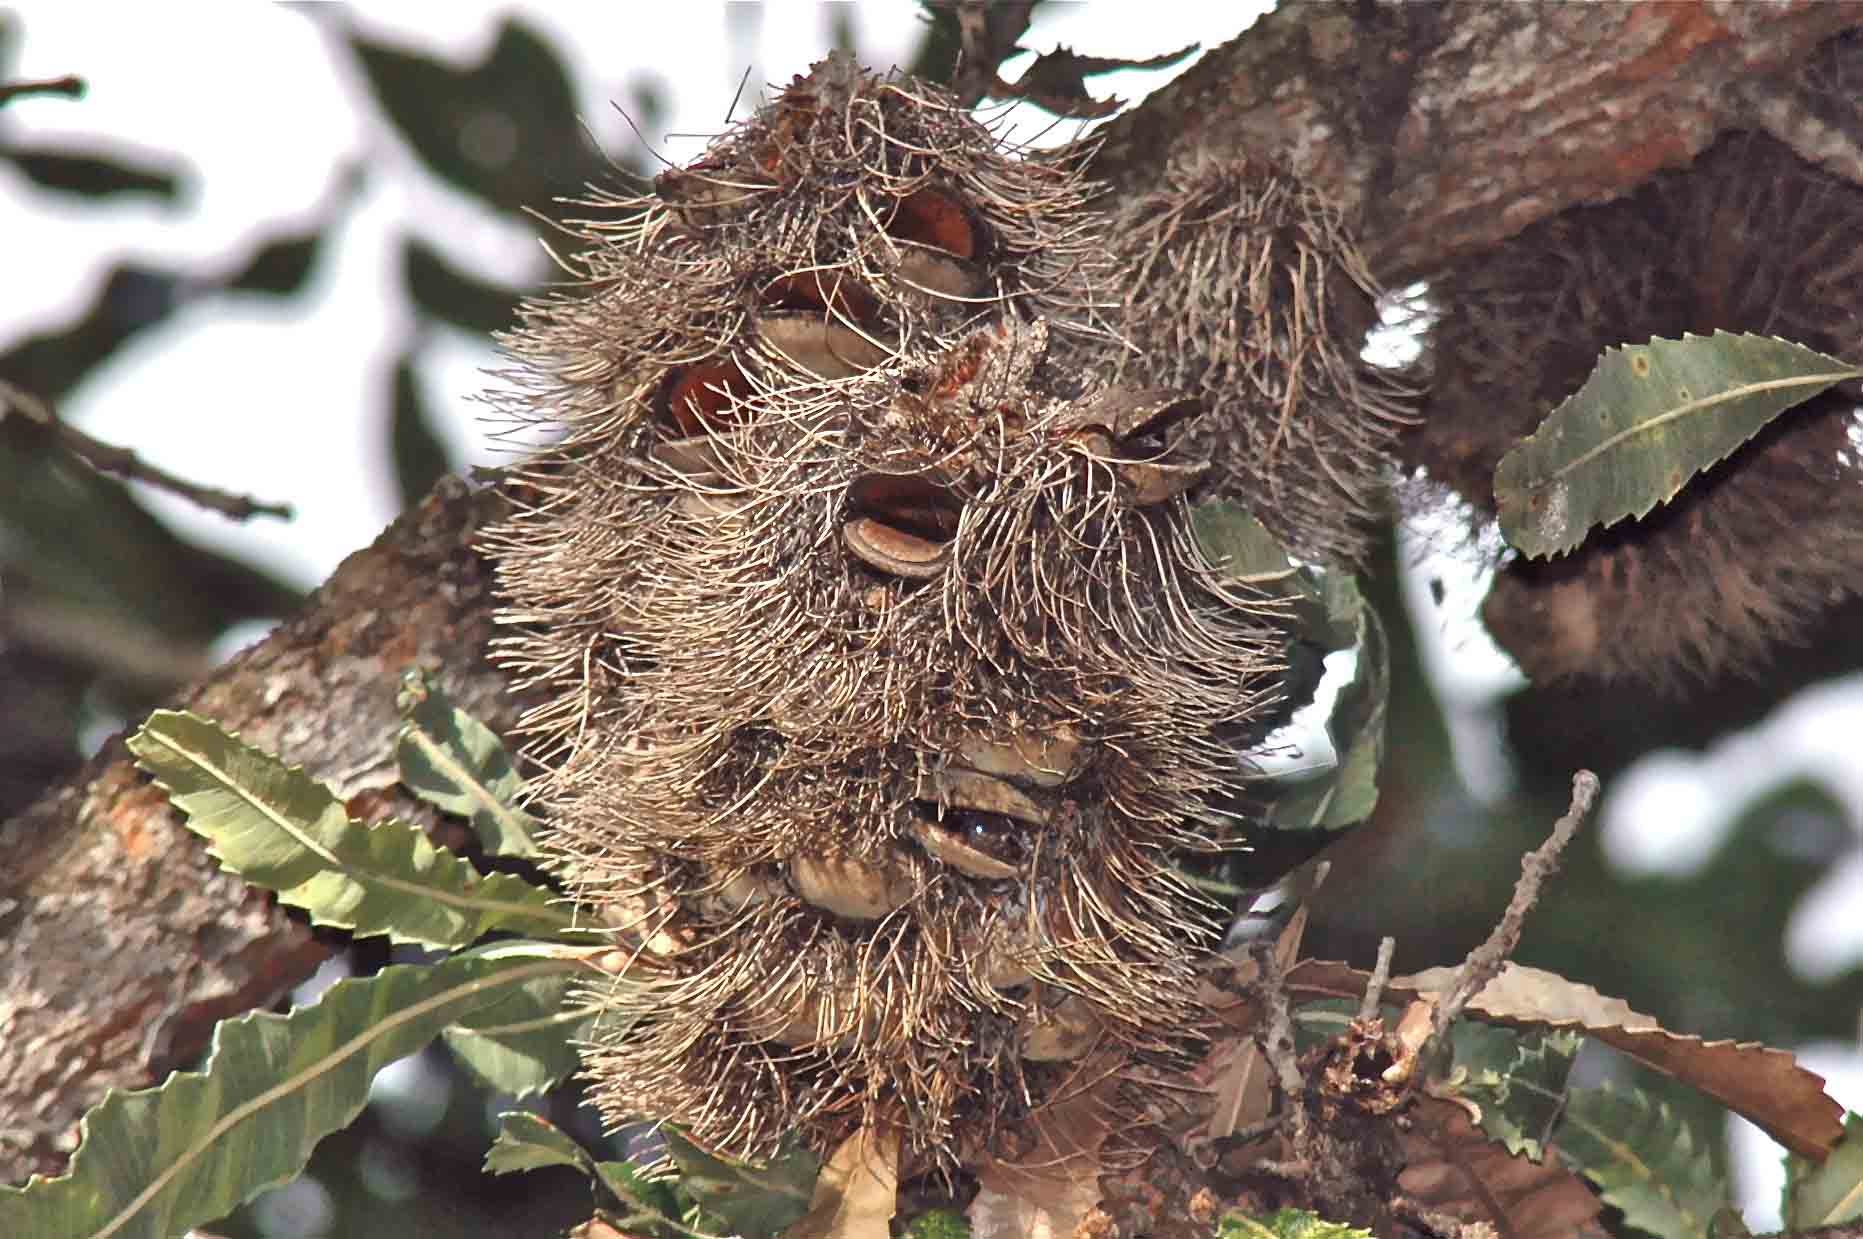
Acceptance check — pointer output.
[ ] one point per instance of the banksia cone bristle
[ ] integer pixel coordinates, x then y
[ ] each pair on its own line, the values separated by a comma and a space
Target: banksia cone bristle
1245, 286
883, 668
1753, 551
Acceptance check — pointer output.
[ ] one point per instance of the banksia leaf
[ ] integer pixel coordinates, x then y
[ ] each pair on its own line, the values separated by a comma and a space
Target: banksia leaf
1824, 1195
1650, 417
755, 1201
277, 827
452, 760
155, 1162
525, 1042
1644, 1160
527, 1142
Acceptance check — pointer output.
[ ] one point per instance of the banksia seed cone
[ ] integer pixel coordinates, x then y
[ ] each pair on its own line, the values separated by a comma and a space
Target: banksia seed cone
883, 668
1245, 286
1754, 550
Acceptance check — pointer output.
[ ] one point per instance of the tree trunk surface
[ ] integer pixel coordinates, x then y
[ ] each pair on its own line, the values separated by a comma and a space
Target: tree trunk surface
1444, 127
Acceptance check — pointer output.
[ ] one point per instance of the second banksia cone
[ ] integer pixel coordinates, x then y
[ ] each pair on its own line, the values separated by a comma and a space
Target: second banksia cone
1753, 551
1245, 286
883, 671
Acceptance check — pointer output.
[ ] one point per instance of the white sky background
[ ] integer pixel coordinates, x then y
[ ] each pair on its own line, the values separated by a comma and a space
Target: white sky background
288, 398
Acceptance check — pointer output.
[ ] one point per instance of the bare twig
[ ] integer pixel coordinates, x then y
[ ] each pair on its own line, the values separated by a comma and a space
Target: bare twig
71, 86
1380, 977
1276, 1037
122, 462
1484, 962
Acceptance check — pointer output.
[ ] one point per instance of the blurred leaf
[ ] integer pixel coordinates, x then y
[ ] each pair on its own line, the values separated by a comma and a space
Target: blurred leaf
1645, 1162
421, 458
504, 130
277, 827
1728, 1224
155, 1162
756, 1202
93, 176
1057, 81
1650, 417
452, 760
132, 299
1828, 1194
78, 536
525, 1042
1518, 1078
454, 296
280, 267
1347, 793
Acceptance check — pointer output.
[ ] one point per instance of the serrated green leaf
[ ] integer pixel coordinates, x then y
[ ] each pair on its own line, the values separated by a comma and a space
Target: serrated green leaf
277, 827
155, 1162
1286, 1224
452, 760
1644, 1160
1517, 1077
527, 1142
1650, 417
1831, 1193
754, 1202
940, 1223
525, 1042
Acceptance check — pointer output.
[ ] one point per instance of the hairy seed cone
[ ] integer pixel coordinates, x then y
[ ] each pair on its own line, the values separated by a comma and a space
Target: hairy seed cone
881, 679
1751, 552
1245, 286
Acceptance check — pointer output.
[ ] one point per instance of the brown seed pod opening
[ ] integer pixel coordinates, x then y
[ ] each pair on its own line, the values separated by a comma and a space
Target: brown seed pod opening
936, 219
859, 889
704, 395
824, 349
1045, 759
831, 293
901, 524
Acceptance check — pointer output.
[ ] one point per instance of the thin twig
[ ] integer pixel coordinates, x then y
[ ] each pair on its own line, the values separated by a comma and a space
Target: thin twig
1484, 963
1277, 1040
123, 463
71, 86
1380, 977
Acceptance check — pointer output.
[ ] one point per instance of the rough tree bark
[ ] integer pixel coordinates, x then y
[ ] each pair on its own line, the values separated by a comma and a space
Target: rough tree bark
1448, 127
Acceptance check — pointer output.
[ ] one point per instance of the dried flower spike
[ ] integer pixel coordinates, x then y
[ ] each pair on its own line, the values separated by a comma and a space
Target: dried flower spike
882, 669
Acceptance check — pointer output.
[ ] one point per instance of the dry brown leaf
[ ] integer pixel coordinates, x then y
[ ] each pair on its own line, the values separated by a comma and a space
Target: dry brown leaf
1452, 1167
1047, 1193
1235, 1071
857, 1192
1533, 995
1761, 1084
